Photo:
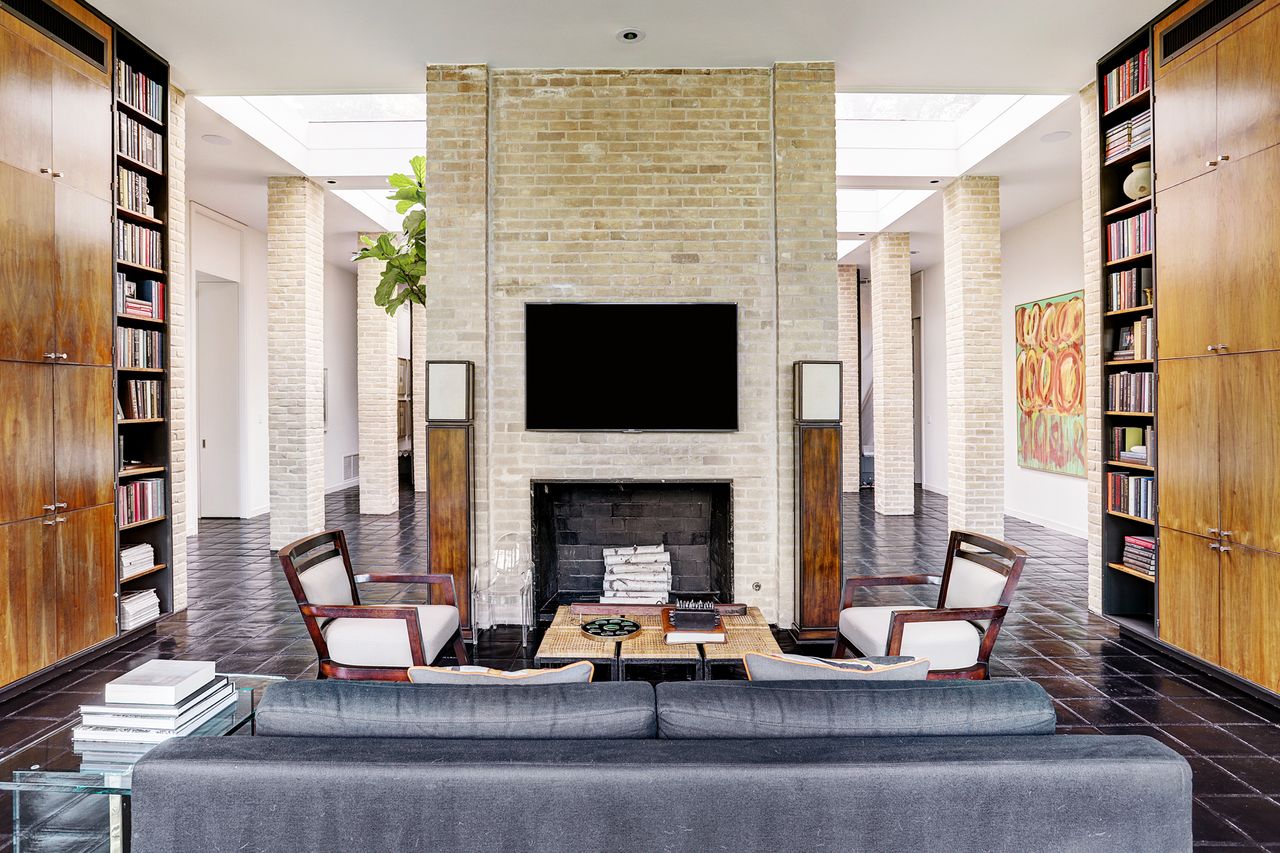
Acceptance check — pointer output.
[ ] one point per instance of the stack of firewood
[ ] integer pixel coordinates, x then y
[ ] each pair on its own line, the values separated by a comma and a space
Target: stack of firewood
636, 574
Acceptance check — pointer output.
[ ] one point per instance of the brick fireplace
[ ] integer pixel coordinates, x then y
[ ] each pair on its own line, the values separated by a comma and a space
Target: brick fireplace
572, 522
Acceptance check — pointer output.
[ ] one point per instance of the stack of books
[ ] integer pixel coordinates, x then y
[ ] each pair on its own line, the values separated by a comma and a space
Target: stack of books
636, 574
692, 626
1140, 554
139, 299
1129, 237
135, 559
138, 608
1128, 136
158, 700
141, 398
140, 500
1130, 79
1129, 289
139, 143
138, 245
1131, 392
139, 91
1131, 495
138, 348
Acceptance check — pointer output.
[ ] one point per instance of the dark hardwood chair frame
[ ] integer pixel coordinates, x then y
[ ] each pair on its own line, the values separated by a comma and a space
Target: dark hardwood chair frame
301, 555
993, 554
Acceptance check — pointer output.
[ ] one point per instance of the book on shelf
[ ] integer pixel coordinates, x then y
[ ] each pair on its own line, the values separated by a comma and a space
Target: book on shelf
141, 399
1131, 494
1133, 444
138, 244
139, 91
139, 348
136, 559
132, 192
1140, 554
1129, 289
139, 142
139, 608
143, 299
1130, 78
1129, 237
139, 500
692, 626
1131, 391
1127, 136
1136, 341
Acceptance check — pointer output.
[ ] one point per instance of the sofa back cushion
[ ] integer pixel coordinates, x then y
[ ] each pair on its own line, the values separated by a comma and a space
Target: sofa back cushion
782, 667
809, 709
367, 709
573, 673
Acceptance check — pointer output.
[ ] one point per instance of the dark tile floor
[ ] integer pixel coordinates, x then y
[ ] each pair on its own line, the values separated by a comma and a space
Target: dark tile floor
241, 613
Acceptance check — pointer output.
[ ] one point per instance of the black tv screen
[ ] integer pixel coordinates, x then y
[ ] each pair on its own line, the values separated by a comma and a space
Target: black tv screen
669, 367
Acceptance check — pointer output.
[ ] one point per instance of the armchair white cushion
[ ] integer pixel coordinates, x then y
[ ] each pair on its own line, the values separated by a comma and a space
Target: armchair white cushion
327, 582
385, 642
947, 645
973, 585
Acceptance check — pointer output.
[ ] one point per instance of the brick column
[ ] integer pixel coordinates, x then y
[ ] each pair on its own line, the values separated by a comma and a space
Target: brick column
1091, 194
295, 357
851, 355
418, 408
892, 376
805, 234
456, 328
377, 347
177, 219
975, 432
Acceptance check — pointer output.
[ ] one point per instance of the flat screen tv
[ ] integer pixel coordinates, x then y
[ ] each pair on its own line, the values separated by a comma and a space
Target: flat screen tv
637, 367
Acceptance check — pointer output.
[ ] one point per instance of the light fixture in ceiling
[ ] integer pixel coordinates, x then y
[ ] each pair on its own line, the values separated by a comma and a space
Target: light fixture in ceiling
330, 181
216, 139
935, 181
630, 35
1056, 136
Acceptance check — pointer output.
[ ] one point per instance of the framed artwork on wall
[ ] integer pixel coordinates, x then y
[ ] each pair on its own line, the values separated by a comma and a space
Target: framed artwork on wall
402, 378
402, 419
1049, 382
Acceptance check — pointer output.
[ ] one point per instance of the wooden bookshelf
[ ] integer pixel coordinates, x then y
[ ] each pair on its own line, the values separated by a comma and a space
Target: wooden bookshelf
144, 441
1128, 595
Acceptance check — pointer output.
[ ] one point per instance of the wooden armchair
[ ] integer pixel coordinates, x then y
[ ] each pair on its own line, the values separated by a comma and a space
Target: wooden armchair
366, 641
957, 635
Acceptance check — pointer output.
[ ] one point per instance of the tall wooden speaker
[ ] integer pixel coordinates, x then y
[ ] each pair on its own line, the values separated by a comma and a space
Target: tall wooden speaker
450, 472
819, 516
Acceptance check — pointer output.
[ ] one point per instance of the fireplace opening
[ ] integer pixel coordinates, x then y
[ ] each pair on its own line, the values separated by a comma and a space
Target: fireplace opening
573, 522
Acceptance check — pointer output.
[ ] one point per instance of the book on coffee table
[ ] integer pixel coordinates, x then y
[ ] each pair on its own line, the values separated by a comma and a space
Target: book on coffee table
692, 626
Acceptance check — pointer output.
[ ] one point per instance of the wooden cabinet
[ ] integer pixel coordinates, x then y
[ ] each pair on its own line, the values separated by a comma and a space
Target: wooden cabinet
84, 427
1185, 114
1249, 449
26, 451
1187, 407
83, 301
1245, 252
27, 622
1250, 601
27, 268
1248, 88
1189, 287
26, 79
82, 120
1189, 593
84, 588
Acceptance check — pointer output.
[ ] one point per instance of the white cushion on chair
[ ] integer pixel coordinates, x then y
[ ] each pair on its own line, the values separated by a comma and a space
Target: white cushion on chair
326, 582
947, 645
973, 585
385, 642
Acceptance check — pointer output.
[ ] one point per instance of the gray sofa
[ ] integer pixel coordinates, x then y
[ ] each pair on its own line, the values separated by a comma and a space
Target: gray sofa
733, 766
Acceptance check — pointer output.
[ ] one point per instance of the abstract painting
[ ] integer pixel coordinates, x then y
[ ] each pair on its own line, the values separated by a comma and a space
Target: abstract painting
1049, 380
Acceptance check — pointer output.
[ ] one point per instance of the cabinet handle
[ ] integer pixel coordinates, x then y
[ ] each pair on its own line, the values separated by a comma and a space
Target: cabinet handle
1227, 533
1209, 164
1224, 157
1211, 348
1221, 348
49, 522
44, 170
50, 507
1225, 548
1214, 546
1213, 531
51, 355
60, 505
56, 174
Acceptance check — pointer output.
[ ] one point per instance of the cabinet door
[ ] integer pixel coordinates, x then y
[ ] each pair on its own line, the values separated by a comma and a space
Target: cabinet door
82, 132
27, 268
85, 579
27, 622
1246, 253
25, 92
26, 440
1189, 591
1188, 278
1249, 88
83, 293
84, 436
1250, 601
1250, 449
1185, 112
1187, 410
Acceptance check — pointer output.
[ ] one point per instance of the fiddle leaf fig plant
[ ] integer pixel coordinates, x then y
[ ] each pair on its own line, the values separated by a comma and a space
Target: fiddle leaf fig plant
404, 254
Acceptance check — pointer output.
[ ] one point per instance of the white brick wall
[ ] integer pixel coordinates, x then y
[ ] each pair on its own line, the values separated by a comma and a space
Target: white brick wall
418, 406
850, 354
892, 371
649, 185
177, 218
377, 345
295, 357
1091, 193
975, 433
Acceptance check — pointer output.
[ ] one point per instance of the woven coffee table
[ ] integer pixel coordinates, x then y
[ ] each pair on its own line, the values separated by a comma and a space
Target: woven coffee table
564, 642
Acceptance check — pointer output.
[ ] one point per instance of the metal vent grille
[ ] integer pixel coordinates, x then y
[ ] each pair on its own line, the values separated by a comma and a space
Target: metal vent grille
62, 28
351, 467
1199, 24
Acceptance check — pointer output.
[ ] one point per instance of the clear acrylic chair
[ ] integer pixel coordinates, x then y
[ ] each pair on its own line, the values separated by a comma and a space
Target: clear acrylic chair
511, 579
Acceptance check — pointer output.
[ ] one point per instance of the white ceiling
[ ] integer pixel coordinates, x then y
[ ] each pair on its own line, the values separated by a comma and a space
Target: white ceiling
294, 46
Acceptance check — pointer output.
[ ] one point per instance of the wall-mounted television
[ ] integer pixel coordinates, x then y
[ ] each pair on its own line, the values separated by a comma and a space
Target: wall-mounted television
633, 367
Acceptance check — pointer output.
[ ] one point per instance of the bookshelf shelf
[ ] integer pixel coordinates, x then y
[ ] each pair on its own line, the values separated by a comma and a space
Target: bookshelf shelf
142, 574
1126, 515
1137, 309
1123, 362
1132, 100
148, 320
140, 217
1129, 259
139, 470
1133, 155
143, 523
134, 112
1134, 465
1131, 414
1121, 567
120, 369
1131, 207
141, 267
138, 164
129, 421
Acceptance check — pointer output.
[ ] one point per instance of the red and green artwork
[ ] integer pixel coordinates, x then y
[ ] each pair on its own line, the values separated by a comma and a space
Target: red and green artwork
1049, 378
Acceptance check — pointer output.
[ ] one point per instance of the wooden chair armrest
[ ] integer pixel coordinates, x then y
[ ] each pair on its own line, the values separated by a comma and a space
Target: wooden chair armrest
901, 618
408, 615
851, 585
445, 581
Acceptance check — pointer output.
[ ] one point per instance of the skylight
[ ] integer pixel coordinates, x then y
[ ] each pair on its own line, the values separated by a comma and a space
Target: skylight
375, 205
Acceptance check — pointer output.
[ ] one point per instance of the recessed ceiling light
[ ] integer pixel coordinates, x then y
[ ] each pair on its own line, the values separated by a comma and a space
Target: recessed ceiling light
630, 35
1056, 136
216, 139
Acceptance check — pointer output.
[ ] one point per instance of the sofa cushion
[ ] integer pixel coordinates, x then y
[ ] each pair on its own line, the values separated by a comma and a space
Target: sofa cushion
804, 668
547, 711
385, 642
947, 645
573, 673
806, 709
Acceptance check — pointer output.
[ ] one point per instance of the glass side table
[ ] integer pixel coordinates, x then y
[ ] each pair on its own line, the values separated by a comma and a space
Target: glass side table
62, 803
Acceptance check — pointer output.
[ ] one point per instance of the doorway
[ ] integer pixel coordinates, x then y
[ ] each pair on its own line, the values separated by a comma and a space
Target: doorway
218, 389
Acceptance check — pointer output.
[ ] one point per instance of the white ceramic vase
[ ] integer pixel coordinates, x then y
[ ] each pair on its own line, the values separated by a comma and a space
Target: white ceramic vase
1138, 184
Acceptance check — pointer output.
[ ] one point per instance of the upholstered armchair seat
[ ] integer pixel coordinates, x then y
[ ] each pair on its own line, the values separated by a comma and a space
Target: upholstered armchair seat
947, 645
384, 642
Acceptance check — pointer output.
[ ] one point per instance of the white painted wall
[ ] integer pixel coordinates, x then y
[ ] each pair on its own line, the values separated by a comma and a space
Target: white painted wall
341, 435
1043, 257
